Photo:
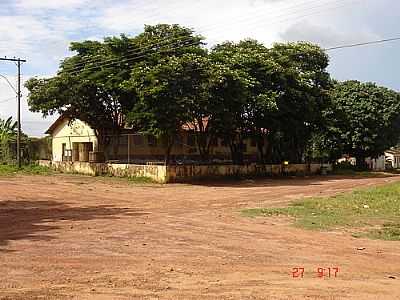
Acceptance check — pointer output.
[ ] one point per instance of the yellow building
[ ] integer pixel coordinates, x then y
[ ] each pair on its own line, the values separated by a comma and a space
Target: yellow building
67, 136
77, 141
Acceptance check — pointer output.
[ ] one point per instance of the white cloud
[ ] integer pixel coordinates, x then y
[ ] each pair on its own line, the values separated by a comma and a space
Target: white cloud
32, 123
30, 38
49, 4
217, 20
325, 35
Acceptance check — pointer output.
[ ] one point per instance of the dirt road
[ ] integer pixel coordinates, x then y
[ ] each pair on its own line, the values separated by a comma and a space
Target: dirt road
71, 237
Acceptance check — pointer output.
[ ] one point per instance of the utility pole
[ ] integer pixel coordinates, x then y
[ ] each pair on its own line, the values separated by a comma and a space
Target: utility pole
19, 115
18, 61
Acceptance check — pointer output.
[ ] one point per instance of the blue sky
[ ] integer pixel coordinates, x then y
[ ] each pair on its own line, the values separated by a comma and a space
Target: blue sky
41, 30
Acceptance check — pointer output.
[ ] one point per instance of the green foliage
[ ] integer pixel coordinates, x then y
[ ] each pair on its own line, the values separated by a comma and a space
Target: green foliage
170, 83
32, 169
388, 232
362, 209
140, 180
8, 129
244, 111
282, 97
84, 90
8, 134
363, 120
303, 86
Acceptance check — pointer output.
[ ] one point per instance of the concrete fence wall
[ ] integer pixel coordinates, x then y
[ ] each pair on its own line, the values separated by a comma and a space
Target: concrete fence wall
156, 173
184, 173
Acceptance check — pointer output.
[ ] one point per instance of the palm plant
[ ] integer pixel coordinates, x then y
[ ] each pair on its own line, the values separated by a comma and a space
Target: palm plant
8, 132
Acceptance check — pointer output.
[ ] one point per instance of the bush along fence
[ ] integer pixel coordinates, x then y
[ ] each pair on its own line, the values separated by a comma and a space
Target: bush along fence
186, 173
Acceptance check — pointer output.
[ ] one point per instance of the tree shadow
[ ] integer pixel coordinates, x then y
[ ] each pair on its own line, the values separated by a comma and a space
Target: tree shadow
31, 220
279, 181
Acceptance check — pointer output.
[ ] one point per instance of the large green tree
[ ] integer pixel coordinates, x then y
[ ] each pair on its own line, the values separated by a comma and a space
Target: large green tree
164, 78
364, 119
248, 115
286, 92
302, 85
170, 83
88, 86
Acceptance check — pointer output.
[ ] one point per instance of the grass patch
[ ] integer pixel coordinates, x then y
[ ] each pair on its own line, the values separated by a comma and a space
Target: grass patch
129, 179
11, 170
350, 172
140, 180
388, 232
361, 209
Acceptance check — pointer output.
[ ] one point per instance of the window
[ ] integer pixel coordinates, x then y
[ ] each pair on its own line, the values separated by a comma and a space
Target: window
152, 141
66, 153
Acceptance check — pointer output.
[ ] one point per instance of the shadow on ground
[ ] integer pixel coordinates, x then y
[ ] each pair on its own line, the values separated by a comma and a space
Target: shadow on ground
282, 181
33, 220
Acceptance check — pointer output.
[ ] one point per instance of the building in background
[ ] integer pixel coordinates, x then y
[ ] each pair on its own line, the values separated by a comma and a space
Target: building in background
77, 141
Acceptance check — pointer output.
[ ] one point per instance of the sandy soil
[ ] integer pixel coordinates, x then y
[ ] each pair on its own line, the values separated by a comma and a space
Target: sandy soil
72, 237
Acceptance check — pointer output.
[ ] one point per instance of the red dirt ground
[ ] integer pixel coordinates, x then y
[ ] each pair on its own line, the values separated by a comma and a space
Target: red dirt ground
72, 237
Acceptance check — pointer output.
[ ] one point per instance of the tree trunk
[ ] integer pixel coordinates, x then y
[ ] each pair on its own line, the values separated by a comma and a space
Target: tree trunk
203, 143
360, 162
260, 148
237, 154
169, 143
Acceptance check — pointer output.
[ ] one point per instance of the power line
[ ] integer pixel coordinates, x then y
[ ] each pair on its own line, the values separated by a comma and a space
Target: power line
185, 38
9, 83
127, 59
241, 20
363, 44
137, 55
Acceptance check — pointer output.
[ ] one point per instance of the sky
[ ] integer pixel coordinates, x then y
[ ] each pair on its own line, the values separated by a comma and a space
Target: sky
40, 31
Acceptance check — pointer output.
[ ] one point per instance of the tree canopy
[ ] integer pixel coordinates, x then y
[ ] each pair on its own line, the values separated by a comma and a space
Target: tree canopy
364, 119
280, 97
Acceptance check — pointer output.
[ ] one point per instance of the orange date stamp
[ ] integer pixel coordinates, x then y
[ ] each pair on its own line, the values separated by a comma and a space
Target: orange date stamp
319, 272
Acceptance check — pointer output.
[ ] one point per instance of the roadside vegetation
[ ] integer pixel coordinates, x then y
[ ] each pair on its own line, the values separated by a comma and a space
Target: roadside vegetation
130, 179
372, 212
11, 170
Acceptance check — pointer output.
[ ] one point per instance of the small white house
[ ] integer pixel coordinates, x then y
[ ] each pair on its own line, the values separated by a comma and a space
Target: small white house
68, 136
393, 158
390, 160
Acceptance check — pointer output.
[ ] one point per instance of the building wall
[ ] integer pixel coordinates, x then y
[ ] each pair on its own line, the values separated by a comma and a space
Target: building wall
140, 146
156, 173
129, 147
184, 173
187, 173
394, 159
65, 133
